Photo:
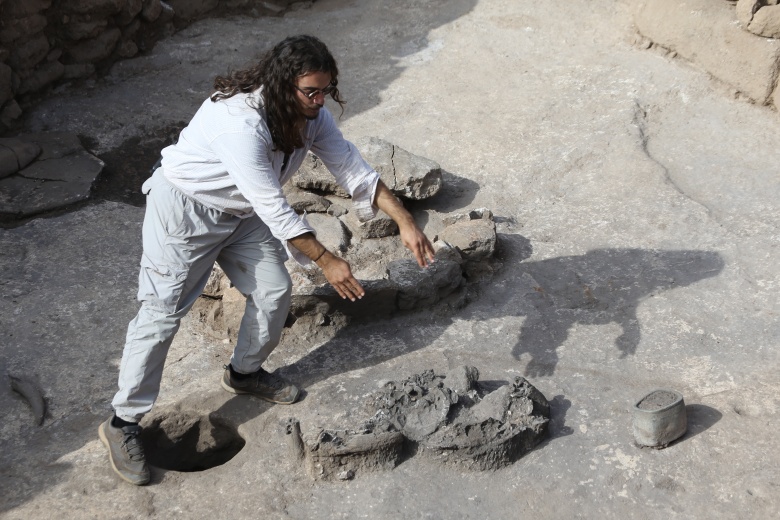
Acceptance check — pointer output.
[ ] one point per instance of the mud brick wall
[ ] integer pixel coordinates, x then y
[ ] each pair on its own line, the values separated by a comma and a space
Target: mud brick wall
47, 42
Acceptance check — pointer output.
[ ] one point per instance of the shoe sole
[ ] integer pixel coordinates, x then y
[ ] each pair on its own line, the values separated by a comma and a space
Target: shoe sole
269, 399
104, 440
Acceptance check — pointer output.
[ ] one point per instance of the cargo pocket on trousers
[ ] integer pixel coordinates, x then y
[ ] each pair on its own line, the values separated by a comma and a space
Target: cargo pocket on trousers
160, 285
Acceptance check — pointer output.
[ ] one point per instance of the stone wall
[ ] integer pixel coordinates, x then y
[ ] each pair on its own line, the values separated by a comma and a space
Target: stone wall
716, 36
47, 42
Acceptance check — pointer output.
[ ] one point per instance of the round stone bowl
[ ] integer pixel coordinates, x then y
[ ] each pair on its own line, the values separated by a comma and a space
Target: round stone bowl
659, 418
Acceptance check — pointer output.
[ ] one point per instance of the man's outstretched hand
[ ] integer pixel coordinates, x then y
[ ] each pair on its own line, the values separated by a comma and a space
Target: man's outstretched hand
339, 275
411, 235
415, 241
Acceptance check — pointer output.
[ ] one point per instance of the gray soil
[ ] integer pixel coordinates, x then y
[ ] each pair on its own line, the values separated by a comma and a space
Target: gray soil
635, 200
656, 400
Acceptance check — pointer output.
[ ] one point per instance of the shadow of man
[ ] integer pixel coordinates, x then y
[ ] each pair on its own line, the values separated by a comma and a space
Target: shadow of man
600, 287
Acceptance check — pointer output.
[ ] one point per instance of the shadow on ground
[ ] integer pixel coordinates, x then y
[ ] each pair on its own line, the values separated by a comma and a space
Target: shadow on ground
599, 287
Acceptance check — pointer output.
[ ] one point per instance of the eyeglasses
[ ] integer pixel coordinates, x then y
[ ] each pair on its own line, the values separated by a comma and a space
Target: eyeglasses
311, 94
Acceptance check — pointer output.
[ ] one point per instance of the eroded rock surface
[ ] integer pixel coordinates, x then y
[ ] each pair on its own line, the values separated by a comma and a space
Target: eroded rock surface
454, 420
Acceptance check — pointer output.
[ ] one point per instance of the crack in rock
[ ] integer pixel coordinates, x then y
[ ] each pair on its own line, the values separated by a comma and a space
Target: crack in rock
640, 121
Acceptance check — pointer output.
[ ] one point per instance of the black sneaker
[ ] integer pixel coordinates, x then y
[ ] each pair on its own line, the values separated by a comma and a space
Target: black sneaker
125, 452
261, 384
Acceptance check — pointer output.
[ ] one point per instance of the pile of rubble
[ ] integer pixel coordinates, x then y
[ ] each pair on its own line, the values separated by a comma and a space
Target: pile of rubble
392, 279
451, 419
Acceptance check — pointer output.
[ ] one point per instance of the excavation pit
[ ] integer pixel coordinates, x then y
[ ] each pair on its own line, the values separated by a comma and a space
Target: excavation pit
189, 442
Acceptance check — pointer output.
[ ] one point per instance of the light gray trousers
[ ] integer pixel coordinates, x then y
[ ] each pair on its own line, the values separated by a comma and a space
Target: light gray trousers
181, 241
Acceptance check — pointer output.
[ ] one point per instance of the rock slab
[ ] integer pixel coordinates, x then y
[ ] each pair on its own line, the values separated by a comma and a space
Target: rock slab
62, 174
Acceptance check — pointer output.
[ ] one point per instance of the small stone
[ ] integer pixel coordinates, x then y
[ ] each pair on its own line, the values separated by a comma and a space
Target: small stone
474, 239
379, 226
346, 475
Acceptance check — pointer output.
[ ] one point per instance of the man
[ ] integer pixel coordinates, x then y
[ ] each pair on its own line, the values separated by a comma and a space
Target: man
217, 197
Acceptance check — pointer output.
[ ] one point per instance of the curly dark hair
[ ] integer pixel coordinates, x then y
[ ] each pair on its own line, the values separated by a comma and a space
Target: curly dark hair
276, 72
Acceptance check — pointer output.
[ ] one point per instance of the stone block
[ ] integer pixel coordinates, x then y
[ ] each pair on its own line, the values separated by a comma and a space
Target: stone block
8, 164
54, 145
380, 300
96, 49
766, 22
16, 154
22, 8
407, 175
6, 83
746, 9
78, 70
776, 98
304, 201
10, 113
314, 175
97, 8
129, 31
18, 28
704, 32
380, 226
192, 9
43, 76
129, 11
475, 240
151, 10
420, 288
27, 54
127, 49
166, 13
83, 27
50, 184
330, 231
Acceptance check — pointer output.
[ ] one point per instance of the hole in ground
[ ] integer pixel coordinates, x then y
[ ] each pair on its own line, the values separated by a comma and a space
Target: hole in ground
188, 442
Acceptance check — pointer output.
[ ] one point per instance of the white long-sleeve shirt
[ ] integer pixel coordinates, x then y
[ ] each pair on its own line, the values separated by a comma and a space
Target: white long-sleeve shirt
225, 159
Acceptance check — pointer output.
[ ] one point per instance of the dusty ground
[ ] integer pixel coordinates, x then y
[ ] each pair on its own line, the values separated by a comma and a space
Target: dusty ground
638, 223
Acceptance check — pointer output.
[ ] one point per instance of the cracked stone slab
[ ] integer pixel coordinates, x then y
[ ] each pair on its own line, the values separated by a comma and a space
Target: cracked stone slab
49, 184
407, 175
54, 145
61, 174
15, 154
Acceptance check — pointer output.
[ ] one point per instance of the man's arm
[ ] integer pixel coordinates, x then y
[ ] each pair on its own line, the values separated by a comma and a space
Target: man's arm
411, 236
338, 272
